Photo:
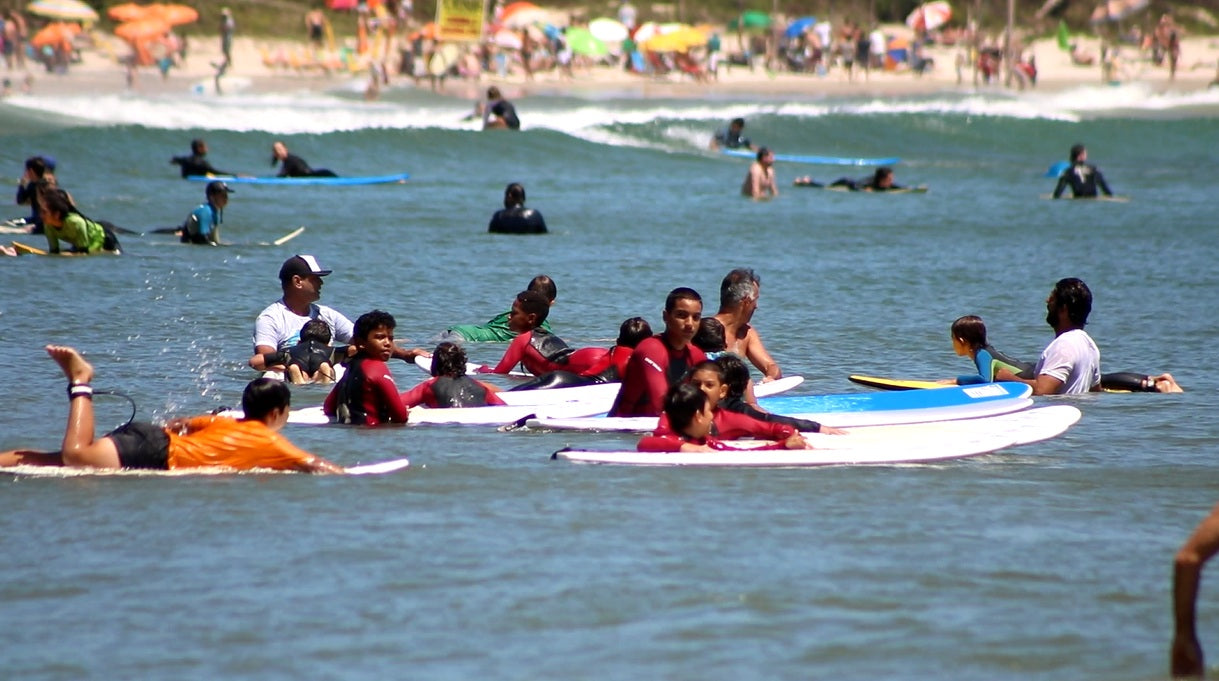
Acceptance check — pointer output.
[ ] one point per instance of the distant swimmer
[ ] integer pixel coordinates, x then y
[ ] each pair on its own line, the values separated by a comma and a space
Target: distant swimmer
515, 218
197, 163
199, 442
1083, 177
293, 165
202, 226
731, 137
760, 180
498, 113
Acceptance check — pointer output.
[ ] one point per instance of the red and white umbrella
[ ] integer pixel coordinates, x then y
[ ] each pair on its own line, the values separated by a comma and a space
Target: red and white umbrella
929, 16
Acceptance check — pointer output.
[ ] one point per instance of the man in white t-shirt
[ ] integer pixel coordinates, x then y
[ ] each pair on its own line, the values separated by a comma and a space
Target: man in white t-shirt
1070, 364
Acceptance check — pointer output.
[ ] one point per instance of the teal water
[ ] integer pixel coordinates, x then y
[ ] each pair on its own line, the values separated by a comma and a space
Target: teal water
487, 560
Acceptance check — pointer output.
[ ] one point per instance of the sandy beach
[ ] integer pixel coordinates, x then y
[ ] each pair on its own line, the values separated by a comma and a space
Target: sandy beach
99, 71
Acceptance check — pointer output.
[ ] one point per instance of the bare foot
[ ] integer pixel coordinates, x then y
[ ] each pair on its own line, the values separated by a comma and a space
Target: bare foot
1165, 383
72, 363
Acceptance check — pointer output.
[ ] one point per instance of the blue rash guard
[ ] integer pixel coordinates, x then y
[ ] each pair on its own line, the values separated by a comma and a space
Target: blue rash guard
988, 365
203, 225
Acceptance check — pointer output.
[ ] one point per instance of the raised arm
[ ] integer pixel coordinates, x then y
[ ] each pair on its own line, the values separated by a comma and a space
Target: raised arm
1187, 658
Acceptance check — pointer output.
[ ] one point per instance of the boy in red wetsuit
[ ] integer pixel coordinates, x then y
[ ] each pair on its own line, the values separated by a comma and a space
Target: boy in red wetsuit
538, 350
660, 361
692, 419
367, 395
449, 385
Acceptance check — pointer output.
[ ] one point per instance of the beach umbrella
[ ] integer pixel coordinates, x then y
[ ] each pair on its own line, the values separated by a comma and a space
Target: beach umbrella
799, 26
507, 39
142, 29
644, 32
174, 15
608, 30
55, 33
128, 11
582, 41
64, 10
751, 19
897, 51
521, 14
929, 16
676, 40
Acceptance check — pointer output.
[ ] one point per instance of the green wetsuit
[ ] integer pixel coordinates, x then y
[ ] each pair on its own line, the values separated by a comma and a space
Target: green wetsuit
494, 331
82, 234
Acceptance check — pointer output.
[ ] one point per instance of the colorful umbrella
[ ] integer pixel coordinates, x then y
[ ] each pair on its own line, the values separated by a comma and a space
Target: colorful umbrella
507, 39
582, 41
608, 30
55, 33
644, 32
799, 26
143, 29
678, 40
929, 16
128, 11
64, 10
751, 19
174, 15
525, 16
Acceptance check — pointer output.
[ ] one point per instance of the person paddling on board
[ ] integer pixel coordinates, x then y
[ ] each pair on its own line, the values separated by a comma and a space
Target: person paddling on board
691, 421
539, 351
366, 394
1082, 177
760, 180
496, 330
515, 218
449, 385
293, 165
199, 442
660, 361
498, 113
196, 163
202, 226
731, 137
739, 292
879, 181
63, 222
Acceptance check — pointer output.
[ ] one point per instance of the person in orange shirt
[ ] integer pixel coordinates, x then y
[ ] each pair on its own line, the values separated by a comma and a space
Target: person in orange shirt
199, 442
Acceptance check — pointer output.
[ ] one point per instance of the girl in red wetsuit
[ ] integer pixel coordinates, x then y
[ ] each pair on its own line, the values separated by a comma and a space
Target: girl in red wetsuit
449, 385
367, 395
689, 420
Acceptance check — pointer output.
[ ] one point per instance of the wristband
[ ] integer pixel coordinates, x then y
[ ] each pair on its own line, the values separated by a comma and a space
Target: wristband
80, 390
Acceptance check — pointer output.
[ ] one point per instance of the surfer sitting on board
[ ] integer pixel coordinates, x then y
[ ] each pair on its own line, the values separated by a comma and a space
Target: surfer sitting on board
739, 292
293, 165
496, 329
310, 359
367, 395
202, 226
662, 360
731, 137
196, 163
539, 351
449, 385
760, 180
199, 442
1082, 177
689, 419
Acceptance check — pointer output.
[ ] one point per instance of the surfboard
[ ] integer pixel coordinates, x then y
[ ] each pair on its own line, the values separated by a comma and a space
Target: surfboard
23, 249
848, 190
816, 160
15, 226
425, 363
378, 468
850, 409
887, 445
397, 178
1102, 198
66, 472
894, 383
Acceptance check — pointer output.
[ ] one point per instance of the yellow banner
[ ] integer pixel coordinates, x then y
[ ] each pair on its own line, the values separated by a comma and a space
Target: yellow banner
460, 20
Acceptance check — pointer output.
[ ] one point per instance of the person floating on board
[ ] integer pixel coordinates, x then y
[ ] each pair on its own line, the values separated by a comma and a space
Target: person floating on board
541, 352
449, 385
731, 137
498, 113
366, 394
1082, 177
202, 226
63, 222
199, 442
514, 217
739, 292
708, 376
969, 339
879, 181
760, 180
196, 163
293, 165
690, 421
739, 398
311, 359
39, 173
496, 330
660, 361
1187, 660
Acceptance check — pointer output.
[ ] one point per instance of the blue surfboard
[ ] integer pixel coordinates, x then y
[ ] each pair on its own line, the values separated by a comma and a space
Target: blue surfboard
297, 181
817, 160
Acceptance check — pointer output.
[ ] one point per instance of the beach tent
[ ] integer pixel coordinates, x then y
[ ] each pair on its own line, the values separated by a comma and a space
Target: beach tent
63, 10
799, 26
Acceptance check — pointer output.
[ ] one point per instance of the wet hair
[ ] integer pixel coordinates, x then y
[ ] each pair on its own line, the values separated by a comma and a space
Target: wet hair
493, 93
682, 402
738, 285
264, 395
56, 200
449, 359
762, 151
196, 146
1074, 294
681, 293
710, 335
316, 330
514, 195
542, 283
882, 173
706, 365
736, 373
1077, 151
37, 164
738, 121
633, 332
371, 321
534, 303
971, 330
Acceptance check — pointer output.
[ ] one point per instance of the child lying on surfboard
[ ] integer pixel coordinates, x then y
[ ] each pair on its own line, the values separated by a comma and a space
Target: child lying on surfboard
689, 417
449, 385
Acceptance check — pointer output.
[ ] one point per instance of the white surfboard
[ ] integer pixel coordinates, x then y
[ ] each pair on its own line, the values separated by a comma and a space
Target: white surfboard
876, 446
70, 472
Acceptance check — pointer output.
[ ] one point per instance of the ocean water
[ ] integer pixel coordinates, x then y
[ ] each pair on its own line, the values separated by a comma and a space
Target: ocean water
487, 560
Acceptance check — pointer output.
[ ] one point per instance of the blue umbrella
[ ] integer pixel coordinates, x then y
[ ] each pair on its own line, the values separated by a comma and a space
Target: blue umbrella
799, 26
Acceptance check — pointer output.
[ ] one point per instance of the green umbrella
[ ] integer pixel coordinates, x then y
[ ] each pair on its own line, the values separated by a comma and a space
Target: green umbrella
751, 19
582, 42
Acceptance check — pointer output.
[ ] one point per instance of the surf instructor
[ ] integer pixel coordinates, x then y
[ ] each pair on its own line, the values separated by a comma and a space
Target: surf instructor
293, 165
1070, 364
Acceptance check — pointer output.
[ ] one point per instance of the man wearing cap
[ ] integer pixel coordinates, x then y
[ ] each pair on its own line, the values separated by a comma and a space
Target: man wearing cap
202, 226
278, 327
197, 163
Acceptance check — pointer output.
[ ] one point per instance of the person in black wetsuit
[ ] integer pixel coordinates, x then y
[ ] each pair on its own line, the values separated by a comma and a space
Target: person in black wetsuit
736, 377
515, 218
293, 165
879, 181
39, 174
310, 360
498, 113
197, 163
731, 137
1083, 177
